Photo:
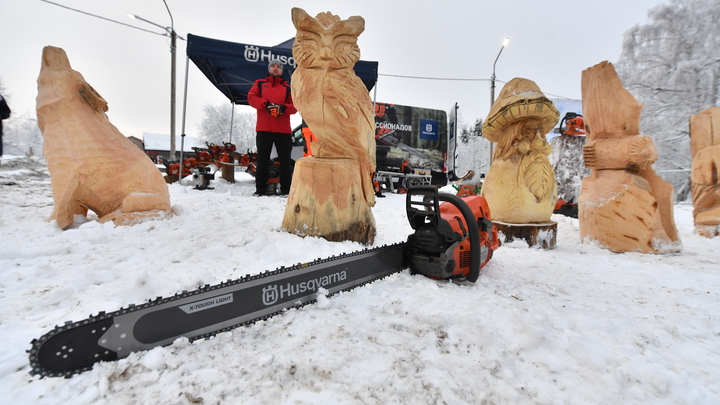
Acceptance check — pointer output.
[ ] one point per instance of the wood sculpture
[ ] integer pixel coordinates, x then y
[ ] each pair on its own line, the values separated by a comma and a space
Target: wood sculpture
92, 165
705, 149
520, 185
332, 192
623, 204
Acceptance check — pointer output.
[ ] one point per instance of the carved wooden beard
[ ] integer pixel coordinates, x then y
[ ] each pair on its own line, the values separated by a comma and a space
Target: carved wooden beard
524, 143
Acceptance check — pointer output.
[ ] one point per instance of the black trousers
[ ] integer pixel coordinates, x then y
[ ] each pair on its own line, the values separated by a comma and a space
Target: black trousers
283, 145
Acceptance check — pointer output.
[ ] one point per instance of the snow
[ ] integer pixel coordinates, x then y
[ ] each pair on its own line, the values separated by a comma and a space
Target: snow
573, 325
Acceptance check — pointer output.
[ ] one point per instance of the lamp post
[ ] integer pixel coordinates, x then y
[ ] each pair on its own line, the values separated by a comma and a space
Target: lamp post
492, 91
173, 39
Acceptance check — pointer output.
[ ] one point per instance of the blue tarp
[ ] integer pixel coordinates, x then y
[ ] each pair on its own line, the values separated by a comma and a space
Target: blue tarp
233, 67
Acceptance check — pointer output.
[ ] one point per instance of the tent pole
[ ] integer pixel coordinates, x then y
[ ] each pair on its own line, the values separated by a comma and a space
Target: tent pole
182, 136
375, 94
232, 116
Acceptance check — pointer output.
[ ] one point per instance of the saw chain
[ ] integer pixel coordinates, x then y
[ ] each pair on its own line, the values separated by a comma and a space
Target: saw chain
75, 347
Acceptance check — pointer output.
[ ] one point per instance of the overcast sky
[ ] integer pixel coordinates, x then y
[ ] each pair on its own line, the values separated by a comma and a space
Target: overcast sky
550, 42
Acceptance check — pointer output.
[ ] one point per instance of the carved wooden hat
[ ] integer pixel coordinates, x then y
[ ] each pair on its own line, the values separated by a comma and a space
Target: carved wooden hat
520, 98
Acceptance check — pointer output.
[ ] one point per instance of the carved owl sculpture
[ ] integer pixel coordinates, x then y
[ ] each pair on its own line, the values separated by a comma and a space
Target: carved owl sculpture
331, 98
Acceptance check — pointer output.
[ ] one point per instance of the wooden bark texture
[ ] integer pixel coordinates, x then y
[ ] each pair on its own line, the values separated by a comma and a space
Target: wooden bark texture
227, 172
92, 165
326, 201
705, 185
623, 204
520, 185
542, 236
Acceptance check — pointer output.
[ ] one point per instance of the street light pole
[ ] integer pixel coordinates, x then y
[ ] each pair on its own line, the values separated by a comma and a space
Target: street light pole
173, 40
492, 91
173, 47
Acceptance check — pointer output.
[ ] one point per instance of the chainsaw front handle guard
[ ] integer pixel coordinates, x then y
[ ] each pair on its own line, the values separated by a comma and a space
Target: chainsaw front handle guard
417, 218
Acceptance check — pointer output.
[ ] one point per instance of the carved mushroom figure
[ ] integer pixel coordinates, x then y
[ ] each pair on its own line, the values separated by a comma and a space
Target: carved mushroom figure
520, 186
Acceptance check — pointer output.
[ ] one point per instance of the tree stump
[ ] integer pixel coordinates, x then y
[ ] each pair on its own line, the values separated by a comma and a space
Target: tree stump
326, 200
227, 171
535, 235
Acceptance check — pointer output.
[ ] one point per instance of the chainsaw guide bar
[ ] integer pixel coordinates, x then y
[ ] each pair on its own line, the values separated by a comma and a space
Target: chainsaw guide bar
75, 347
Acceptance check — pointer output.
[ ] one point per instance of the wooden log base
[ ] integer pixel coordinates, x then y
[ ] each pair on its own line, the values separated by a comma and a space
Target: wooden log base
542, 236
227, 171
326, 201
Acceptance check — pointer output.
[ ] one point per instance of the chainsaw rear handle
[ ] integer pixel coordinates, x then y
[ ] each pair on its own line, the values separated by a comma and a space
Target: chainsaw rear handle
415, 214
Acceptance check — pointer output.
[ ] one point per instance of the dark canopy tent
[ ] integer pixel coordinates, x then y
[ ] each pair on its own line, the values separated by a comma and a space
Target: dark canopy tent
233, 67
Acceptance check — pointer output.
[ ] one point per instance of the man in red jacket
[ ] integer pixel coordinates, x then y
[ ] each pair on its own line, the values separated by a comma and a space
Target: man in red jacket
271, 98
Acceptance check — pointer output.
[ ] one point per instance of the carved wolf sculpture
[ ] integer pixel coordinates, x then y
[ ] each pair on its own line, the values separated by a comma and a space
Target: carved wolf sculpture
92, 165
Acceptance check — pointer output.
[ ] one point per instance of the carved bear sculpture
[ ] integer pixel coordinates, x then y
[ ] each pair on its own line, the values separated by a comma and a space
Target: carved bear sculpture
91, 164
623, 204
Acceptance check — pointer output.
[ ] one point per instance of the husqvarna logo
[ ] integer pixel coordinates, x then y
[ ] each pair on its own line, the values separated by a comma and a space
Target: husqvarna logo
429, 130
252, 53
256, 54
270, 295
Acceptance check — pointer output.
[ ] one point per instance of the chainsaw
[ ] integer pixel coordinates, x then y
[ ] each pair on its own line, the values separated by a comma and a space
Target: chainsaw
571, 124
453, 239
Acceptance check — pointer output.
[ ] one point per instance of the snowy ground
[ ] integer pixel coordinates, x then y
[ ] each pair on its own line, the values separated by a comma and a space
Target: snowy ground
572, 325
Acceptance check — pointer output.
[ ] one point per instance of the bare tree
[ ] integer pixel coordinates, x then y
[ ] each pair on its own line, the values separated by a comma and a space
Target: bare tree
215, 126
473, 149
672, 66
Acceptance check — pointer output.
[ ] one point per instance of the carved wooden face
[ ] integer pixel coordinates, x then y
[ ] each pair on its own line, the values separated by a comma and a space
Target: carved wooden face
531, 136
326, 42
59, 82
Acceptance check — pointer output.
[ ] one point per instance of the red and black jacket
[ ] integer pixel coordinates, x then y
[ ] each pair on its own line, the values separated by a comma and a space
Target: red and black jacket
273, 90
